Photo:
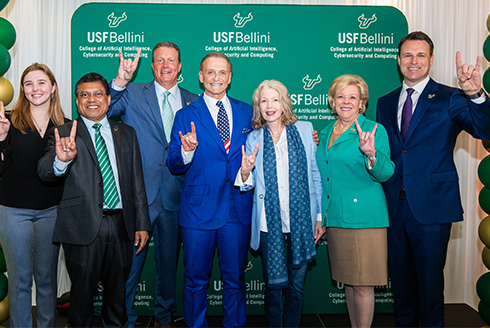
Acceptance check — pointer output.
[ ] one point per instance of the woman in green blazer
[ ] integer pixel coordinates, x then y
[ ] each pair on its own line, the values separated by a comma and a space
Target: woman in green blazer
354, 159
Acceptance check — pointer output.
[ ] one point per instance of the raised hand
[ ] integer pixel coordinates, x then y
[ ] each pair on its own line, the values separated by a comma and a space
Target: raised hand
126, 69
366, 140
4, 123
248, 162
189, 141
469, 76
66, 148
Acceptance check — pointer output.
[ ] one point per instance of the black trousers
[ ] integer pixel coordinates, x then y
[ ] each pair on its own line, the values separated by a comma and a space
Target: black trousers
108, 260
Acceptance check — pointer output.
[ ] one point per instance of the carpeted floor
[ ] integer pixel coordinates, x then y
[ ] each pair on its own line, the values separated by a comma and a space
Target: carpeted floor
457, 315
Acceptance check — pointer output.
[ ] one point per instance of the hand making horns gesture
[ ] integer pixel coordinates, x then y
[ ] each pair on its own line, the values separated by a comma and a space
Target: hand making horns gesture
189, 141
4, 123
366, 141
469, 76
66, 148
248, 162
126, 69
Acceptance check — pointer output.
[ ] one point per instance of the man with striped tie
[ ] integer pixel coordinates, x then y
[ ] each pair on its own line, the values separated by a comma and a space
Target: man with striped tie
103, 210
206, 145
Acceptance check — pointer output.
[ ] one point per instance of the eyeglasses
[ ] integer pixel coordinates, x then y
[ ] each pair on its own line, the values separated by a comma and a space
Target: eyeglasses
86, 95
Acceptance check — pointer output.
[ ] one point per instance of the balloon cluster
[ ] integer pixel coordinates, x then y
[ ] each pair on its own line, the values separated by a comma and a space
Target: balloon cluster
483, 283
7, 40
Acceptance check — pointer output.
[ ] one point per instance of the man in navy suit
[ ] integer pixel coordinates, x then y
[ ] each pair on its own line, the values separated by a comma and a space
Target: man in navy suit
149, 108
423, 119
207, 139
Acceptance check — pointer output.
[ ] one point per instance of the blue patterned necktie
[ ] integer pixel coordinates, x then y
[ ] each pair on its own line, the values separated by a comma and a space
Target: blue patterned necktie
223, 126
111, 196
406, 114
167, 115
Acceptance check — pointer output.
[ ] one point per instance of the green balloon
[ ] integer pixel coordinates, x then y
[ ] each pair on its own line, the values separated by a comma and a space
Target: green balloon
4, 60
7, 33
483, 288
486, 80
484, 171
484, 231
484, 199
484, 311
4, 286
488, 23
486, 48
3, 264
3, 3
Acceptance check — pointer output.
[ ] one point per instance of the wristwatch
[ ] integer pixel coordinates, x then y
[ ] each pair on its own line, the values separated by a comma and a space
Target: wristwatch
477, 95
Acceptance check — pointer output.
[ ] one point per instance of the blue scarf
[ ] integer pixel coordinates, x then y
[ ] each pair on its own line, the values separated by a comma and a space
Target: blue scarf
302, 240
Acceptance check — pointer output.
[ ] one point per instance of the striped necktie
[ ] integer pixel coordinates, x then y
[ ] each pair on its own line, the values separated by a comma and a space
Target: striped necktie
167, 115
111, 196
223, 126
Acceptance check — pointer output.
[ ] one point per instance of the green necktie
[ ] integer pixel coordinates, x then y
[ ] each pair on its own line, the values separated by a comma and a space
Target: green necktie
167, 115
111, 197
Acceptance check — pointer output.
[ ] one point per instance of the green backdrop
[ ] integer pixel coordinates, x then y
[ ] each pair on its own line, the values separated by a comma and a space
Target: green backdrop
305, 47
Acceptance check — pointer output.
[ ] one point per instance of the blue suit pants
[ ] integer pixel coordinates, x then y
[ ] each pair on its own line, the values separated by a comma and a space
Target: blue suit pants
417, 256
199, 245
167, 242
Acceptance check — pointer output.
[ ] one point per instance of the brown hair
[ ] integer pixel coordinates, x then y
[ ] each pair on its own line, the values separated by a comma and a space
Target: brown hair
21, 116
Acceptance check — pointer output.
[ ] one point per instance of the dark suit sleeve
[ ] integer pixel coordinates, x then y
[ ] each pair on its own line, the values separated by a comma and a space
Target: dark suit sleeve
142, 218
469, 116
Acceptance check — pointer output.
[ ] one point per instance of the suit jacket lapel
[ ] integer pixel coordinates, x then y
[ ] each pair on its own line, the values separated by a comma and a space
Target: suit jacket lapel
425, 99
83, 133
154, 107
238, 120
206, 119
259, 169
116, 139
393, 112
185, 101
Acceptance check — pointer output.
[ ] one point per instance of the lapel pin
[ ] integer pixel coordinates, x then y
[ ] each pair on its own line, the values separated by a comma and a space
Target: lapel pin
187, 103
430, 96
116, 129
245, 130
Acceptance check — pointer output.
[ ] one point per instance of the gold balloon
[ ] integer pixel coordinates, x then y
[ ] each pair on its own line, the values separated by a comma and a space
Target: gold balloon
6, 91
4, 309
484, 231
485, 255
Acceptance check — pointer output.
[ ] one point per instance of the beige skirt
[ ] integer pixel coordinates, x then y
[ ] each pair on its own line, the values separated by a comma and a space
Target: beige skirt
358, 257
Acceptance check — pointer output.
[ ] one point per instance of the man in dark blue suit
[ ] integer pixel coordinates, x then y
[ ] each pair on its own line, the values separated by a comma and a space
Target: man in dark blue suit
207, 140
423, 119
150, 108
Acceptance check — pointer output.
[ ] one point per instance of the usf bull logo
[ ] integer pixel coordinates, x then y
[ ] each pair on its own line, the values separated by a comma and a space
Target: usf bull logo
115, 21
310, 83
365, 22
241, 21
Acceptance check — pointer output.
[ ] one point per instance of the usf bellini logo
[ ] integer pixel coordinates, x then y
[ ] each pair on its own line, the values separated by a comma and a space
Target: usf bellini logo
115, 21
241, 21
310, 83
365, 22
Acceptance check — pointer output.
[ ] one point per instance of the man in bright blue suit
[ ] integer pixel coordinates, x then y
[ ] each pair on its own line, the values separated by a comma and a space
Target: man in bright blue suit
207, 140
150, 108
423, 119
